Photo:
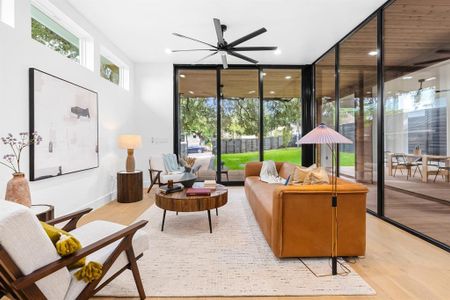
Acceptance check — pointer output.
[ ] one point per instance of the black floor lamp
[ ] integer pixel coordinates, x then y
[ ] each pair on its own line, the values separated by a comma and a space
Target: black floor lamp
322, 134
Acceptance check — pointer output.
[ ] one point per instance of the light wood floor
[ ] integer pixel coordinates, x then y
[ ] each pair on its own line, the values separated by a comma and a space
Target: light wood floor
398, 265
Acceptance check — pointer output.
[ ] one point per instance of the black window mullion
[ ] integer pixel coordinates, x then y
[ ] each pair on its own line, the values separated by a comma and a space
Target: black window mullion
261, 113
380, 112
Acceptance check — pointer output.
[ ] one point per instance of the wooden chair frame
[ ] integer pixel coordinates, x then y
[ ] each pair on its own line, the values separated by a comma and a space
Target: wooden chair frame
19, 286
153, 180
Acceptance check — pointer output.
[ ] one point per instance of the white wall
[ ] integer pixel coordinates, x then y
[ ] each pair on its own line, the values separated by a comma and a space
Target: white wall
154, 111
18, 52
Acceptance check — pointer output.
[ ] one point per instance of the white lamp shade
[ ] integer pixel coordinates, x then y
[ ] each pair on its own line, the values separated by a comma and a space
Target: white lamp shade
129, 141
322, 134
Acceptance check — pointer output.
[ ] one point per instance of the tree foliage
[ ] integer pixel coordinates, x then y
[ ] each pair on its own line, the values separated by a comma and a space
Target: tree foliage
47, 37
239, 116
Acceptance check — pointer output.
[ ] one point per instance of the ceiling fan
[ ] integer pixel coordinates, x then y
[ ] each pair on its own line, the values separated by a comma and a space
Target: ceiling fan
224, 48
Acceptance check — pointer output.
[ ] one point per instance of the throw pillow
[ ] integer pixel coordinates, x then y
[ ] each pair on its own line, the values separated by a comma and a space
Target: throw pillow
67, 244
300, 173
317, 176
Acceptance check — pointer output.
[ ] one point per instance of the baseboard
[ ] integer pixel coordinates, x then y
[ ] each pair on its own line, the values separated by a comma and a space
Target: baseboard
101, 201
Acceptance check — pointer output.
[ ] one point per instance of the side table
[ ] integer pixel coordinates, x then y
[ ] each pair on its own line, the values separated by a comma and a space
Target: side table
44, 212
130, 186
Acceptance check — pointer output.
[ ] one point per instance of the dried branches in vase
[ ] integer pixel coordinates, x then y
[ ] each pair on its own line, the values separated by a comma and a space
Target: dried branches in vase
17, 189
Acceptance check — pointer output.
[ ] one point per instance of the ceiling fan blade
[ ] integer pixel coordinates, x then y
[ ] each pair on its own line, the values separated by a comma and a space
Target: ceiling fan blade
192, 39
443, 51
256, 48
188, 50
427, 62
209, 55
224, 61
219, 32
251, 60
247, 37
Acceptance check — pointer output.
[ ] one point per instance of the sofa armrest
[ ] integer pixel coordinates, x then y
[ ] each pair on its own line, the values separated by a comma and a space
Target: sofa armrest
252, 168
301, 219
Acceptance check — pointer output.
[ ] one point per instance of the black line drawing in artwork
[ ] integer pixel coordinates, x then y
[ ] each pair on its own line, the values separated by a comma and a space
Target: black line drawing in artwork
80, 112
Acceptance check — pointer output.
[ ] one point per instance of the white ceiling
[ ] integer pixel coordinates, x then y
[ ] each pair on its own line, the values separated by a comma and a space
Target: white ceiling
303, 29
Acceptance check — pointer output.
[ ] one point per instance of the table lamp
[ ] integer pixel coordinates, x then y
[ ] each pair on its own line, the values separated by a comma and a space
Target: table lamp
322, 134
129, 142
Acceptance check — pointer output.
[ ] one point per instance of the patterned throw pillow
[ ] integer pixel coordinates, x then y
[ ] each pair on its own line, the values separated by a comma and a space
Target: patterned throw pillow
300, 173
317, 176
188, 161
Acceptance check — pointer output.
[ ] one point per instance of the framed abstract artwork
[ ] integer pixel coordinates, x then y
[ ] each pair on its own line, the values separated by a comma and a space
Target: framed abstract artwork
66, 116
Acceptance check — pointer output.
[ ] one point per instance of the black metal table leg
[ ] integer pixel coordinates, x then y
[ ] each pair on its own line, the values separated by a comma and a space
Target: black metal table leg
217, 211
177, 213
209, 220
164, 219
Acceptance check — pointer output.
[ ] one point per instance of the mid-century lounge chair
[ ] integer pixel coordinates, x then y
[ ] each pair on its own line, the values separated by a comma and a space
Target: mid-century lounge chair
30, 267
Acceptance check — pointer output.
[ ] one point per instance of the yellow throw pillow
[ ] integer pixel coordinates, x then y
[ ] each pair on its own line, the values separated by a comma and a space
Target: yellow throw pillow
65, 243
317, 176
300, 173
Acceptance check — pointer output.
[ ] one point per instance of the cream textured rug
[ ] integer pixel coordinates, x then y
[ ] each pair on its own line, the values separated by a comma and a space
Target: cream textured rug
235, 260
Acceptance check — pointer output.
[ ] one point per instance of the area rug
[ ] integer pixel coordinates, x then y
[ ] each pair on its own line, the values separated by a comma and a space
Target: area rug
235, 260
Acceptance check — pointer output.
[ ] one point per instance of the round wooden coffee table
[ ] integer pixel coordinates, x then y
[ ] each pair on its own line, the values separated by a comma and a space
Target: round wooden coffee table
179, 202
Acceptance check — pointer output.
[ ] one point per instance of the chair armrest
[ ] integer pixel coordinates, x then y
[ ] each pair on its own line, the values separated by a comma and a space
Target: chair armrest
44, 271
73, 219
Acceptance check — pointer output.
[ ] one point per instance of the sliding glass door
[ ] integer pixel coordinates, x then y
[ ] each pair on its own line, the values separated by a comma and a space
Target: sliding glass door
229, 117
197, 116
239, 108
282, 114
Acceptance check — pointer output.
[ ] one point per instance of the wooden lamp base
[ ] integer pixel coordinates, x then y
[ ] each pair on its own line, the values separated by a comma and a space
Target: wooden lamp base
130, 164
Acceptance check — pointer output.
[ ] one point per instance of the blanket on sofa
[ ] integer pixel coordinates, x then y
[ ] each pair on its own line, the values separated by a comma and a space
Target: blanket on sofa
269, 173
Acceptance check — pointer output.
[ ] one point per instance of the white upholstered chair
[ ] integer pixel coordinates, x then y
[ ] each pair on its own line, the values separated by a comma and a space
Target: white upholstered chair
30, 267
158, 172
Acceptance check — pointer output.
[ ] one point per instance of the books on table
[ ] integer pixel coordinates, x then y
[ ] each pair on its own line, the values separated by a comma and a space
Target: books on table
198, 192
177, 187
210, 184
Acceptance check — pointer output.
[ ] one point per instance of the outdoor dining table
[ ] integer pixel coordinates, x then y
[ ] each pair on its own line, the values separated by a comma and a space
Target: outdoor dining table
425, 163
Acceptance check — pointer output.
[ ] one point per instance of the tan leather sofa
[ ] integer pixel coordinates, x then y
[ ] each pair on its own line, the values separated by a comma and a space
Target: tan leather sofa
296, 219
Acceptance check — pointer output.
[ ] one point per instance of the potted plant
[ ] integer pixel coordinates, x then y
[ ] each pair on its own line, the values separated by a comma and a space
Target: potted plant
17, 189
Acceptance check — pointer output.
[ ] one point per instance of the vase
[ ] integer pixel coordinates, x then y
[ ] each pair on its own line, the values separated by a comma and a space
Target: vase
18, 190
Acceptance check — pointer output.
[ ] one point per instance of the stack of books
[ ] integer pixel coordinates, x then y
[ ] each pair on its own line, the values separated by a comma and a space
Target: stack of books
177, 187
210, 184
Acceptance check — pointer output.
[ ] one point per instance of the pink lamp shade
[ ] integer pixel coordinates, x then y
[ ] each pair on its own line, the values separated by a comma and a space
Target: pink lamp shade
322, 134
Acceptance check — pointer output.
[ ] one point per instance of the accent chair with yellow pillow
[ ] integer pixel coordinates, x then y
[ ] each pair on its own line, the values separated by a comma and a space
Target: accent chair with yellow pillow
32, 269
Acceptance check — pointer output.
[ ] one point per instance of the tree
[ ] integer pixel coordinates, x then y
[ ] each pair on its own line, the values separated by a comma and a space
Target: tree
198, 116
44, 35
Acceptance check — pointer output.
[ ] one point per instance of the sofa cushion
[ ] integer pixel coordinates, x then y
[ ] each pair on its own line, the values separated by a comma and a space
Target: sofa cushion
286, 170
26, 242
94, 231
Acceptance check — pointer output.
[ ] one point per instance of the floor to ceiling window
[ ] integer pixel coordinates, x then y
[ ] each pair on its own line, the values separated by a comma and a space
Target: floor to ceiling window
325, 100
358, 107
229, 117
239, 109
197, 120
402, 50
282, 114
417, 116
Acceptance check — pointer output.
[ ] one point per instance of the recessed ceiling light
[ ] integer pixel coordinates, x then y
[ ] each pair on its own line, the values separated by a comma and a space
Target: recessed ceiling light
431, 78
272, 92
251, 92
288, 77
191, 92
277, 52
407, 77
373, 52
182, 76
168, 51
264, 74
368, 92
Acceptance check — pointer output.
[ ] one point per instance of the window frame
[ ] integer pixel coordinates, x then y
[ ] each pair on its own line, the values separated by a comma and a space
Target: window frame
124, 70
86, 41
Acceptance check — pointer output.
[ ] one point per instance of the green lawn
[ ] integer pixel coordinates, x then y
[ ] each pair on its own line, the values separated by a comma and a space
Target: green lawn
237, 161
